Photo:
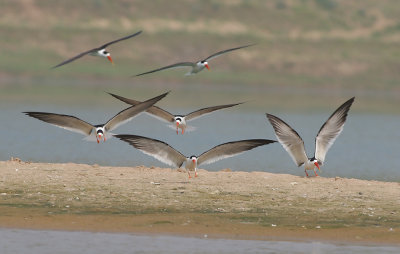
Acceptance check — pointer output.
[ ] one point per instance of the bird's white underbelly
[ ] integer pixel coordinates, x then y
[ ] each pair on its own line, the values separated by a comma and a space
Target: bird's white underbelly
309, 165
197, 68
95, 53
189, 165
182, 124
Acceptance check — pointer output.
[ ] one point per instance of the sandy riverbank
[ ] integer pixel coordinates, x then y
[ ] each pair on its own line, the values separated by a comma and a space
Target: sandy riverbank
238, 205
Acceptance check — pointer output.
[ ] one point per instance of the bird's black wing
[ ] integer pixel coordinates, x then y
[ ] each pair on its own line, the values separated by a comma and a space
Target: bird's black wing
176, 65
75, 57
120, 39
226, 51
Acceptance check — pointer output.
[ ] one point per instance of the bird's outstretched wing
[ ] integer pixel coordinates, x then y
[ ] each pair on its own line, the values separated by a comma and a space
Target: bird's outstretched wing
75, 57
230, 149
208, 110
120, 39
129, 113
290, 139
330, 130
176, 65
155, 148
153, 111
226, 51
68, 122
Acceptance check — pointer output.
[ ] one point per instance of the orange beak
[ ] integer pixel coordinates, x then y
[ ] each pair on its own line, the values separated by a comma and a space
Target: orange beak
317, 165
206, 65
110, 59
194, 161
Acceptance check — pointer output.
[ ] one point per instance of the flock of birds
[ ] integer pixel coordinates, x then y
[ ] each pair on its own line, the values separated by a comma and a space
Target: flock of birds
286, 135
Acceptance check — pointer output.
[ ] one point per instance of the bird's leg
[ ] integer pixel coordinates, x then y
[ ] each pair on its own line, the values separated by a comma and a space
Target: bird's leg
177, 130
305, 170
98, 141
189, 174
315, 172
183, 130
195, 172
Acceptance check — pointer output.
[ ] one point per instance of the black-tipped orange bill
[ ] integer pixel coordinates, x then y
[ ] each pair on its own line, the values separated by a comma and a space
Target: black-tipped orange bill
317, 165
206, 65
110, 59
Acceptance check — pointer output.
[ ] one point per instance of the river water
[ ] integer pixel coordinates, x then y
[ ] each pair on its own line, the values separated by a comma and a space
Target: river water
14, 241
368, 148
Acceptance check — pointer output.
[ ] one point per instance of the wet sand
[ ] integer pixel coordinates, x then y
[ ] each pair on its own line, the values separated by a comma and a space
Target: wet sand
237, 205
